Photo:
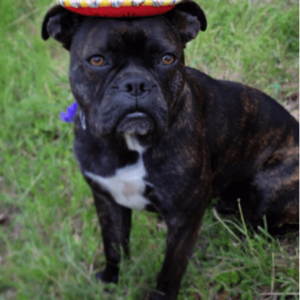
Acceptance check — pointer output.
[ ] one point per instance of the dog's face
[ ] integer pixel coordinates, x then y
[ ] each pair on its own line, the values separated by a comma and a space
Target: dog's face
127, 75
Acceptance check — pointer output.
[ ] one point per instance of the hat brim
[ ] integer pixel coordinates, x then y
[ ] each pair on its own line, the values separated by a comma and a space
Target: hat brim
123, 11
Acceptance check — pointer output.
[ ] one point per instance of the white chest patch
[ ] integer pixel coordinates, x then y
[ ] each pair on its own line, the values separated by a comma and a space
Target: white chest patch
127, 185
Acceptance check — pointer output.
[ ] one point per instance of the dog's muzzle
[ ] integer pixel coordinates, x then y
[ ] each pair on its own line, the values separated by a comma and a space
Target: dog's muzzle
132, 103
138, 123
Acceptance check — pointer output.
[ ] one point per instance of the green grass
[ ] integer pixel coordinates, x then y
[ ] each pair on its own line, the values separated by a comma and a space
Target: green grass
51, 245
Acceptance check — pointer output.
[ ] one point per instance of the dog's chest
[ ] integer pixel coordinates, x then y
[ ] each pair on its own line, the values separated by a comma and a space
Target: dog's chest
128, 184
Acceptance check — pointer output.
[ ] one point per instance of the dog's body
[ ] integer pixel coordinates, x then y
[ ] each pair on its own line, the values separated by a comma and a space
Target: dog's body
156, 135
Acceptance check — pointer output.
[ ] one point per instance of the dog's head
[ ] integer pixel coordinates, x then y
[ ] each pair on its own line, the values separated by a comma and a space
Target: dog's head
126, 74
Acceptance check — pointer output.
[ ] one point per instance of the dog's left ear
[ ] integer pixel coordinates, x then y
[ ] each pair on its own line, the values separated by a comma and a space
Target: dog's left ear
61, 24
188, 18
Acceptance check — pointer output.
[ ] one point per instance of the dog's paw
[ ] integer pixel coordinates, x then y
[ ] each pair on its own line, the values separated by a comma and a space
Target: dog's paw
107, 276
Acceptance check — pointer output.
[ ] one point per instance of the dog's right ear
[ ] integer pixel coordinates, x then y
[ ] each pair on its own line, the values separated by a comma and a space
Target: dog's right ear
61, 24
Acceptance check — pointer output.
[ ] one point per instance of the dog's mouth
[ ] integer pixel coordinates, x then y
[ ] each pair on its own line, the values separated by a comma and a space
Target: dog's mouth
137, 123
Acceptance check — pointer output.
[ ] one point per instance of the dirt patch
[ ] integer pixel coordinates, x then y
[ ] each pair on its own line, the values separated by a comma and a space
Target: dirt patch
292, 104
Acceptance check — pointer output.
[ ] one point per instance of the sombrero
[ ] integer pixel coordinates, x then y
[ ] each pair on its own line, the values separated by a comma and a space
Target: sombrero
119, 8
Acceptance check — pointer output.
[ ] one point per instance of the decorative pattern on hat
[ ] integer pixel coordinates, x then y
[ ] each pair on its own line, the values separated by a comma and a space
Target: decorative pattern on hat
114, 3
119, 8
93, 3
75, 3
137, 2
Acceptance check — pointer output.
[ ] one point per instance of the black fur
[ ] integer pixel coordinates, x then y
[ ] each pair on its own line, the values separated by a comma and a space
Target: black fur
204, 138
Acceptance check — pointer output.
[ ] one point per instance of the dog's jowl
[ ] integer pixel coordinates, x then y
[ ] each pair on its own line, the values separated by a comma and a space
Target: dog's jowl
167, 138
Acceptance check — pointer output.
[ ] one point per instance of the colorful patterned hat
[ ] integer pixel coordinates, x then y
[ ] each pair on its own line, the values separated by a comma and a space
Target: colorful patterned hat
119, 8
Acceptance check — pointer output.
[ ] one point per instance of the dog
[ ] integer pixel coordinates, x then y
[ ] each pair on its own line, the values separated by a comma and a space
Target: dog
154, 134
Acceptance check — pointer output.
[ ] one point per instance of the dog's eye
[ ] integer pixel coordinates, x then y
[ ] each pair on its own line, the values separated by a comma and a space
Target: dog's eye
96, 60
168, 59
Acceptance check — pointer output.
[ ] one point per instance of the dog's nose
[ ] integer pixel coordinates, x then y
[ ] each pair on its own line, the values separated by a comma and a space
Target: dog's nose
135, 86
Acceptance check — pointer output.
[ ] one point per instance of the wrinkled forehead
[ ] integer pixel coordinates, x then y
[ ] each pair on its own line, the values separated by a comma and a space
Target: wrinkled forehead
154, 34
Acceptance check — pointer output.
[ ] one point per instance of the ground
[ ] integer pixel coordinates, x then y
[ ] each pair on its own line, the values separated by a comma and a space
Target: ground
50, 240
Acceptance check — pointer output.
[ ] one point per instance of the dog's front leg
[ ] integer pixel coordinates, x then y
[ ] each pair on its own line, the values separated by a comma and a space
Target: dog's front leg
182, 235
115, 222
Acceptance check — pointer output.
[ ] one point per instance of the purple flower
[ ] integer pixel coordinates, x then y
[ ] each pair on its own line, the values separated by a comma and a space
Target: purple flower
69, 116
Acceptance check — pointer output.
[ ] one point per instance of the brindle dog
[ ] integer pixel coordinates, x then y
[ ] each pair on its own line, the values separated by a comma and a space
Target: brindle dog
154, 134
